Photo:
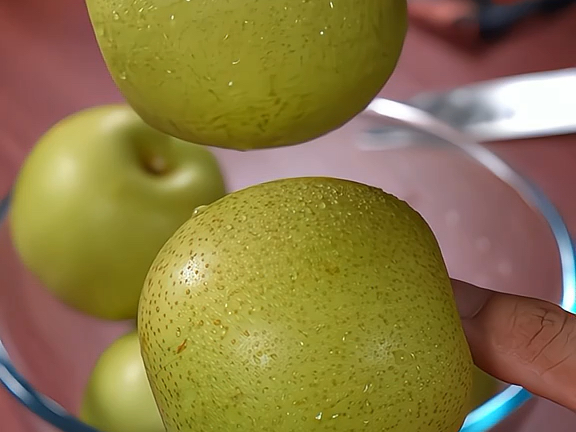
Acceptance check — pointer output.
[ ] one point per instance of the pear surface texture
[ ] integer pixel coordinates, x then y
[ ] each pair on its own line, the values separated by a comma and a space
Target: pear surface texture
302, 305
248, 74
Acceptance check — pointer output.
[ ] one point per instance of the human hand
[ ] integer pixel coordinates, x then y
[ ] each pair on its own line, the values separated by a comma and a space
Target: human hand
521, 340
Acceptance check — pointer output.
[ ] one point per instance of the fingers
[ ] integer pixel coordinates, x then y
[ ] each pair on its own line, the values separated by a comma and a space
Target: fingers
521, 341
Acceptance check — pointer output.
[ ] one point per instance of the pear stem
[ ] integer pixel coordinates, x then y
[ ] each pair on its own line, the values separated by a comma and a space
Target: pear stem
156, 165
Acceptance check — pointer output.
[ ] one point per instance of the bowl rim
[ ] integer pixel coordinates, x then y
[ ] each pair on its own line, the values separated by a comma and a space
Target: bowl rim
481, 419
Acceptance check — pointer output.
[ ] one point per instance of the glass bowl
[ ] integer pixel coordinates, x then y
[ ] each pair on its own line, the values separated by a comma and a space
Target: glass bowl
495, 229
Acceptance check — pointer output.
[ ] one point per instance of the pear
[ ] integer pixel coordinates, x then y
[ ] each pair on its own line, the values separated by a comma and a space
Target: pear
484, 387
95, 200
248, 74
304, 304
117, 397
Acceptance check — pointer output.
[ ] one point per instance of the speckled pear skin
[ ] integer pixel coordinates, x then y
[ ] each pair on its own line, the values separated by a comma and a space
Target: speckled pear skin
304, 305
249, 74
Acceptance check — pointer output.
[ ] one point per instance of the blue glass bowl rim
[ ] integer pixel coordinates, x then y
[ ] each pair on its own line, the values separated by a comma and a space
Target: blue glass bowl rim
481, 419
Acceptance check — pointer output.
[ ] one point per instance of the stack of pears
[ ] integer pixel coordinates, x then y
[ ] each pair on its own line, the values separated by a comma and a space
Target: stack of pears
302, 304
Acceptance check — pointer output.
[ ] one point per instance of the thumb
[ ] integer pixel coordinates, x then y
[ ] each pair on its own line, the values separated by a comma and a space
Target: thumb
521, 340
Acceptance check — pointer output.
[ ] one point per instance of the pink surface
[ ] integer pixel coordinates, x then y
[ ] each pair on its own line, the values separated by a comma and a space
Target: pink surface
51, 67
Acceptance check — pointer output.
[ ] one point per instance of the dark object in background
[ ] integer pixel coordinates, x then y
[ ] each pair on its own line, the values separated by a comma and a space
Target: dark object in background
475, 21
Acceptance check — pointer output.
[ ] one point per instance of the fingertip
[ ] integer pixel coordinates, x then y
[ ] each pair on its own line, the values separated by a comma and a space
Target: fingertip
470, 299
523, 341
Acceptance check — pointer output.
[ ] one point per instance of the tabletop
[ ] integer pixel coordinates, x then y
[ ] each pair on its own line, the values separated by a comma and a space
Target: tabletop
50, 67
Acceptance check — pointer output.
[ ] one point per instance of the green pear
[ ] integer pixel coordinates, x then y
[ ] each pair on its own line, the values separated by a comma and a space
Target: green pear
484, 387
248, 74
118, 396
304, 304
96, 199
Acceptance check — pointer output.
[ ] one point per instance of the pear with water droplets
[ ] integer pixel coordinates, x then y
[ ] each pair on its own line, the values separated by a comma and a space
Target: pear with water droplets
248, 74
304, 304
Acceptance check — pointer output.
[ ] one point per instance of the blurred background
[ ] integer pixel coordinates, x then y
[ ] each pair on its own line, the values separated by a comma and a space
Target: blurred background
50, 67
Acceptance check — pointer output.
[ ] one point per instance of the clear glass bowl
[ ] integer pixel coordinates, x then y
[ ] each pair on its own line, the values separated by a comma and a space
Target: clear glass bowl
494, 227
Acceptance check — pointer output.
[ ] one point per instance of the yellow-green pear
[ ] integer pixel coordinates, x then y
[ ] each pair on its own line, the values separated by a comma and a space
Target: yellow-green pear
304, 304
95, 200
484, 386
248, 74
117, 397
